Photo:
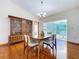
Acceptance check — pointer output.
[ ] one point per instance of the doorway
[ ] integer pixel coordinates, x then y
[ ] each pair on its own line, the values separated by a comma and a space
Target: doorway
56, 27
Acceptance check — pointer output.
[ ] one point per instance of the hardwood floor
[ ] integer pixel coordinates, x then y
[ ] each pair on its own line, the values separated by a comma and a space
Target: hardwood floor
73, 51
17, 52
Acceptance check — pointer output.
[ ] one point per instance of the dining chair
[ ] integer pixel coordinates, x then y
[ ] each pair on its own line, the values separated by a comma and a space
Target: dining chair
51, 42
32, 43
29, 42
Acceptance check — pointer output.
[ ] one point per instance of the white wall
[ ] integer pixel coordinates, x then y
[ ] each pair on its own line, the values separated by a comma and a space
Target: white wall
9, 8
73, 23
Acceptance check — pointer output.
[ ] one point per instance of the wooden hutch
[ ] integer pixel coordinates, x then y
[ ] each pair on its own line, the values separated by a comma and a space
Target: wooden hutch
18, 28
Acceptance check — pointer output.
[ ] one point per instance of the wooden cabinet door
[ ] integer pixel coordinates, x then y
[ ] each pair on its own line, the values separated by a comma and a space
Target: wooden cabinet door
28, 26
15, 26
24, 27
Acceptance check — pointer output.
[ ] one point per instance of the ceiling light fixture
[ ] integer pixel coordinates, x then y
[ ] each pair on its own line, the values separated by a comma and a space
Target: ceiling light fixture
42, 12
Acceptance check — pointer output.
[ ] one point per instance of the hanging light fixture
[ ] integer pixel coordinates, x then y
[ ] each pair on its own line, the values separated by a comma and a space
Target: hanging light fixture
42, 12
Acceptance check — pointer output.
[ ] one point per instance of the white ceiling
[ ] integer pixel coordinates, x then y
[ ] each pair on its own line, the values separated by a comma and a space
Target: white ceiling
50, 6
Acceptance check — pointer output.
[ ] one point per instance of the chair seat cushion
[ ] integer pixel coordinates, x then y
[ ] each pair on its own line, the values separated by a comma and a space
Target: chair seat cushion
32, 44
34, 41
48, 42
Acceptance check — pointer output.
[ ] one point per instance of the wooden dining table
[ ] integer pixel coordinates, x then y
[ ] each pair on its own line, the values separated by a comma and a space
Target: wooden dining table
40, 37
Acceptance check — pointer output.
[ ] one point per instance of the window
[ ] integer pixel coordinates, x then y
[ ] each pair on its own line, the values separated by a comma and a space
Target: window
57, 27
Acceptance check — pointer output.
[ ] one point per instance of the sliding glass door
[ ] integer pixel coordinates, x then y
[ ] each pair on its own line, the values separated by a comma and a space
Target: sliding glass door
58, 27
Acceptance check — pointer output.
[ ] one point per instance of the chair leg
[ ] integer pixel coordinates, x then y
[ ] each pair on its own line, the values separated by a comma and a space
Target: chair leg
55, 50
38, 51
27, 52
24, 49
